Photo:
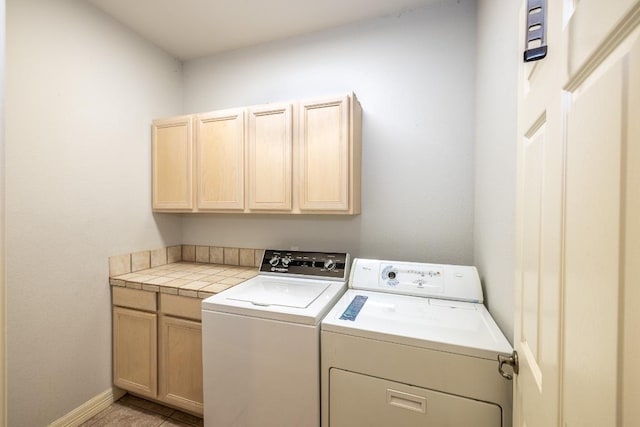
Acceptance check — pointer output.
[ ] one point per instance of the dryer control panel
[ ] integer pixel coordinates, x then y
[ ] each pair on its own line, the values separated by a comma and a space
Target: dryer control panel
333, 265
455, 282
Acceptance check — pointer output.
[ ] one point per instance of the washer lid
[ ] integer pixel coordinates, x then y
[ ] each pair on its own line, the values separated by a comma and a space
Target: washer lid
303, 301
452, 326
285, 293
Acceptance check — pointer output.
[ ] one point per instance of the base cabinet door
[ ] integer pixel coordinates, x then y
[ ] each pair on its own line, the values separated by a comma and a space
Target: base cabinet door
180, 358
134, 351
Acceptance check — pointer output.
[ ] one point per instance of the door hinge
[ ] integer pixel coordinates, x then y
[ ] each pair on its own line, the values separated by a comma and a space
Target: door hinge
512, 361
536, 37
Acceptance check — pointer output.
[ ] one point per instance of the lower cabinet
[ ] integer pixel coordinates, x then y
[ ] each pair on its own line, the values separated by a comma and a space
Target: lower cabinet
134, 351
180, 362
157, 347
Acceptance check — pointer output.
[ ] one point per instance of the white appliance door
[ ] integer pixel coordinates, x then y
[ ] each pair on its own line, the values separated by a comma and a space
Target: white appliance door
358, 400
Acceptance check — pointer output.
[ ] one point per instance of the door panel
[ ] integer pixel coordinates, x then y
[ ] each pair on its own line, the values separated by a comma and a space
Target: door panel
220, 160
602, 225
180, 359
533, 157
539, 234
172, 164
134, 351
630, 295
592, 251
324, 154
269, 157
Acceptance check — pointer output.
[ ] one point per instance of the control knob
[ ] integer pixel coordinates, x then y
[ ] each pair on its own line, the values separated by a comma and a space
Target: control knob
274, 260
330, 264
286, 261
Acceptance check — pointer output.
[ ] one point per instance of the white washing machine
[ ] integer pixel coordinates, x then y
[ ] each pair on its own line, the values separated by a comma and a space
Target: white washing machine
411, 344
261, 342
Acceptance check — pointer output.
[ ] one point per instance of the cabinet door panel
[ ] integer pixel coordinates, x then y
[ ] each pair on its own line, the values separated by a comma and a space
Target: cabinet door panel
220, 160
269, 157
172, 164
180, 353
324, 154
134, 351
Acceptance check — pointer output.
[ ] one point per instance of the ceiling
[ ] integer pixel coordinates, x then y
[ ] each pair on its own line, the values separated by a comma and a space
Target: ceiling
190, 29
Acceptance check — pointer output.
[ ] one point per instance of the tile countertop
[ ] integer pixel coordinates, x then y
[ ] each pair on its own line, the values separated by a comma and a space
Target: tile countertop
188, 279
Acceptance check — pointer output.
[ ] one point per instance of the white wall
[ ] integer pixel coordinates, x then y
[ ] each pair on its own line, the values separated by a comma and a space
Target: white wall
414, 74
81, 93
495, 155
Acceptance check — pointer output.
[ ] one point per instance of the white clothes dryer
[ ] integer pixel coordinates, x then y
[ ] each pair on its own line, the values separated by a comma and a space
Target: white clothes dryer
261, 341
411, 344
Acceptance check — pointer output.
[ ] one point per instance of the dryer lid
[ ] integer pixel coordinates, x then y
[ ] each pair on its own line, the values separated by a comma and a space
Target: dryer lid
445, 325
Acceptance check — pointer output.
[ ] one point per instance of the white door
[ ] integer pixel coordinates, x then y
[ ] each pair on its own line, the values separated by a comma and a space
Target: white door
578, 249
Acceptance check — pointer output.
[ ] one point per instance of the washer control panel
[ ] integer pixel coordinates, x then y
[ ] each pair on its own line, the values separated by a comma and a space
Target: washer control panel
301, 263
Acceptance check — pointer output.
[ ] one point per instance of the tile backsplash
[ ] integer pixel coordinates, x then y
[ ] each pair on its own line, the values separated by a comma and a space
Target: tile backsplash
174, 254
140, 260
136, 261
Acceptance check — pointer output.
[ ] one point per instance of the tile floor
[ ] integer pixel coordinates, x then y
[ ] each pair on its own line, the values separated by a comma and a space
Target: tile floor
135, 412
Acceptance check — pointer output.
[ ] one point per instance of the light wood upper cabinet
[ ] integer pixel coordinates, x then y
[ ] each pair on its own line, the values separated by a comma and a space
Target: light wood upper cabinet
172, 164
301, 157
269, 165
329, 155
219, 140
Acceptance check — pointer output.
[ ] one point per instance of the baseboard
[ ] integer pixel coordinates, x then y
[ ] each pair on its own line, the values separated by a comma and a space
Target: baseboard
90, 408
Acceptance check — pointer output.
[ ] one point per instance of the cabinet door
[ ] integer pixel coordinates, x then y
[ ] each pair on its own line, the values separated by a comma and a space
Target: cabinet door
134, 351
172, 160
324, 155
180, 353
220, 160
269, 157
